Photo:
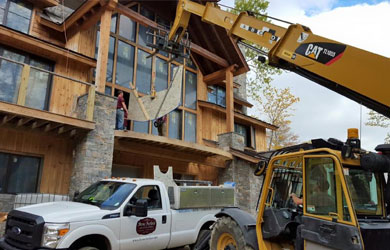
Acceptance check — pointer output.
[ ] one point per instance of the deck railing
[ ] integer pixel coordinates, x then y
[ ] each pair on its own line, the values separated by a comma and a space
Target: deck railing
21, 83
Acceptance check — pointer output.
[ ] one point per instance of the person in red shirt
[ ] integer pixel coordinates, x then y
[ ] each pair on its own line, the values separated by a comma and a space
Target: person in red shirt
120, 111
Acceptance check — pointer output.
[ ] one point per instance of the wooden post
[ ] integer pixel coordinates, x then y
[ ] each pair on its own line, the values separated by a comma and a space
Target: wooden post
90, 103
104, 45
229, 100
23, 85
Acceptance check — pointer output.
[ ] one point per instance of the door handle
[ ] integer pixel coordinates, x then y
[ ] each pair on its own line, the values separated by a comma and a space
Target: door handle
328, 228
164, 219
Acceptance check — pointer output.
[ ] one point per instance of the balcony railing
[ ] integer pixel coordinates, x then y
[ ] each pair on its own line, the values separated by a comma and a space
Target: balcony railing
38, 88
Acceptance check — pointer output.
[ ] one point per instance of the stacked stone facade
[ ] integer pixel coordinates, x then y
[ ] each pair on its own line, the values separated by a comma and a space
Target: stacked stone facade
94, 151
241, 172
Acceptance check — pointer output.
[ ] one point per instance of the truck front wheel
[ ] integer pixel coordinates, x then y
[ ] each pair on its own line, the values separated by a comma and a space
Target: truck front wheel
227, 235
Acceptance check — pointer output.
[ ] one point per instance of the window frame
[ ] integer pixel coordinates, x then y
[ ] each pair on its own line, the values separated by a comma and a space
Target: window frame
39, 172
341, 188
114, 87
6, 11
27, 60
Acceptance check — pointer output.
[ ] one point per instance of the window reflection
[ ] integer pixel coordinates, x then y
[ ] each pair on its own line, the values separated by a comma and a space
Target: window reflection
191, 82
175, 124
141, 127
144, 72
17, 16
189, 127
161, 82
124, 64
127, 28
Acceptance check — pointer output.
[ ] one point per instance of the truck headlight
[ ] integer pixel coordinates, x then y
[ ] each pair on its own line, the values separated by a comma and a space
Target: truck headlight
52, 233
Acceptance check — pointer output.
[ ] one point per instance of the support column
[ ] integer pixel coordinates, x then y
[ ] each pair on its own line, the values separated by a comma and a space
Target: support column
104, 45
229, 100
94, 151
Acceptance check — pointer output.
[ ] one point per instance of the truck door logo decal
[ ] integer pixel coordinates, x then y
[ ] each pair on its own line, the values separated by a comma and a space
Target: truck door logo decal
146, 226
325, 53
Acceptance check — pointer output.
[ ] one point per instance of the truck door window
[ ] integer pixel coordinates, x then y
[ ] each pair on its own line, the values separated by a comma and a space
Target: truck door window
149, 193
320, 186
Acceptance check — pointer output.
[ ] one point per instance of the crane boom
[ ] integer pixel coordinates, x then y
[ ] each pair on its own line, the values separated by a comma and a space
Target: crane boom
355, 73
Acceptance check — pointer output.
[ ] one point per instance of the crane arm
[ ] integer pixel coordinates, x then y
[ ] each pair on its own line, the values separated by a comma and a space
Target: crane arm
357, 74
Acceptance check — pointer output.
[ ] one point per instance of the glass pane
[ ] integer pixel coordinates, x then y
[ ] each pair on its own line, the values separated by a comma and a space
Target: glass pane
144, 72
161, 74
127, 28
173, 66
242, 130
143, 37
166, 25
21, 8
23, 174
346, 214
212, 94
125, 64
147, 13
363, 187
38, 89
10, 74
221, 96
19, 15
17, 22
113, 23
320, 186
141, 127
110, 63
3, 171
191, 84
175, 124
3, 3
107, 90
189, 127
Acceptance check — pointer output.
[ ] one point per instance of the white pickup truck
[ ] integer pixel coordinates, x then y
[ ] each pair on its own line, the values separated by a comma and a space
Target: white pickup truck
118, 213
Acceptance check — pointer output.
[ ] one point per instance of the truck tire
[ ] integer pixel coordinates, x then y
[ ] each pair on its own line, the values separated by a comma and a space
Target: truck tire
88, 248
202, 235
227, 235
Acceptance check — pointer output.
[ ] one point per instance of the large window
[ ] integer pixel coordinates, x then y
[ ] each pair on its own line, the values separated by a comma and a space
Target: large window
39, 82
19, 174
130, 64
16, 14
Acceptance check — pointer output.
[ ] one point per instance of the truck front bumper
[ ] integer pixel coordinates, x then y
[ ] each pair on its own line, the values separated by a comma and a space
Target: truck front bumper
5, 246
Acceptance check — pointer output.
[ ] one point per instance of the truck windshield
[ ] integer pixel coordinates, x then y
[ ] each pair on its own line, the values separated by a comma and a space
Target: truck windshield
365, 190
106, 194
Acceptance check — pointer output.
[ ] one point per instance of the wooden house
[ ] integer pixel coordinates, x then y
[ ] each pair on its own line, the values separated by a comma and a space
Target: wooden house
61, 64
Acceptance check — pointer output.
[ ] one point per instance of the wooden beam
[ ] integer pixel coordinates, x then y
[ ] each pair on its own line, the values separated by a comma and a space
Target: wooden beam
50, 24
244, 156
44, 3
23, 121
17, 110
165, 141
244, 119
7, 118
215, 77
156, 151
38, 124
87, 21
104, 43
47, 127
229, 101
23, 85
73, 132
81, 11
42, 48
135, 16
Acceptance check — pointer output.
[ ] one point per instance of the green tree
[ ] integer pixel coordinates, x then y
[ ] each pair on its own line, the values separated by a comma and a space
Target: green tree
377, 120
275, 104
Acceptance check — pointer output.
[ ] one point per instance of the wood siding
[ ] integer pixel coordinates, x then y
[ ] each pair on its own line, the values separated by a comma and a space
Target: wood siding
56, 154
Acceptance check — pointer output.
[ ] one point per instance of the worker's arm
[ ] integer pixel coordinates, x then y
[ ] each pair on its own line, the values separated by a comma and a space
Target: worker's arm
124, 107
296, 199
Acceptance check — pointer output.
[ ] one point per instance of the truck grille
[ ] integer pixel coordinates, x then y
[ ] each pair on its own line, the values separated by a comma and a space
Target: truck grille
24, 230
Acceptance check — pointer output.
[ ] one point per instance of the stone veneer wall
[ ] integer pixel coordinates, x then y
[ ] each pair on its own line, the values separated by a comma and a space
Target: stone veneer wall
241, 172
94, 151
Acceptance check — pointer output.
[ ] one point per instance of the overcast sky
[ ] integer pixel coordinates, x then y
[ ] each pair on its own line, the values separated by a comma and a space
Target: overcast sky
322, 113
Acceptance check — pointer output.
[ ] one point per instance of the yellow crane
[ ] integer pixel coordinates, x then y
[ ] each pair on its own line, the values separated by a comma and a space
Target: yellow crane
326, 194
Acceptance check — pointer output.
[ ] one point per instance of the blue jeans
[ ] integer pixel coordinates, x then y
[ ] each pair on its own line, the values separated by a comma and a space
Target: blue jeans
120, 116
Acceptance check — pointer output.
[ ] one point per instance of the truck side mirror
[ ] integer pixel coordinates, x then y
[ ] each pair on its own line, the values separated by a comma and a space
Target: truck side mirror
75, 194
140, 209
